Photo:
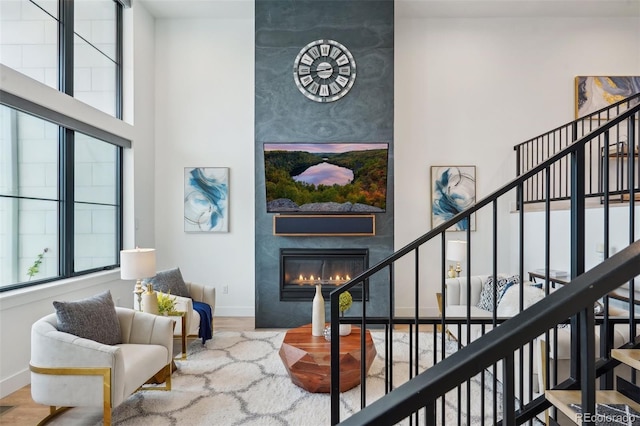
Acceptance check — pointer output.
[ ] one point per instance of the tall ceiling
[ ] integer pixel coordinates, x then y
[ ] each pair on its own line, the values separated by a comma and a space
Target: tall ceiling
230, 9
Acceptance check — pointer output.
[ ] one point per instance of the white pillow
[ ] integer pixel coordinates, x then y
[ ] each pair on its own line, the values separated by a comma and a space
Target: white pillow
510, 303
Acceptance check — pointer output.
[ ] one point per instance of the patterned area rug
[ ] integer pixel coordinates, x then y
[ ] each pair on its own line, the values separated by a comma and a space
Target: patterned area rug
238, 379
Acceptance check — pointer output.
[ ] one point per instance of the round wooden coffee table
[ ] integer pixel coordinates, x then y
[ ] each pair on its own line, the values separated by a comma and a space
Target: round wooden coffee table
307, 359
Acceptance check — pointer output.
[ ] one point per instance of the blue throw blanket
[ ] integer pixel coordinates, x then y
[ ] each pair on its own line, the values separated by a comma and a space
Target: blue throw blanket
204, 310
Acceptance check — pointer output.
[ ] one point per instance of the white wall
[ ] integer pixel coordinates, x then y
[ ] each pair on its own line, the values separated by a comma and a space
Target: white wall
467, 91
204, 118
560, 236
140, 69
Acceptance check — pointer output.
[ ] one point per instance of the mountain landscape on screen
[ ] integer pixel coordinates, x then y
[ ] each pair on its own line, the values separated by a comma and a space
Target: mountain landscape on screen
326, 177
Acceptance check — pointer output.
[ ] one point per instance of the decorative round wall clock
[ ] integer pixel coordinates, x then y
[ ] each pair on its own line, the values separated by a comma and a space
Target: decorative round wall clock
324, 70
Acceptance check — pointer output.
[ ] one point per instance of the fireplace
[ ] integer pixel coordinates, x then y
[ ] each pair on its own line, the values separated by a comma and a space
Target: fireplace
302, 269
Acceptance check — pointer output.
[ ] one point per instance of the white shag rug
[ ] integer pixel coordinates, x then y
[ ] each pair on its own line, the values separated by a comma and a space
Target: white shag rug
238, 379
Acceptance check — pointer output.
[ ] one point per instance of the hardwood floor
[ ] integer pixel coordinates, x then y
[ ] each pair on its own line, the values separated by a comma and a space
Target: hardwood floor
24, 412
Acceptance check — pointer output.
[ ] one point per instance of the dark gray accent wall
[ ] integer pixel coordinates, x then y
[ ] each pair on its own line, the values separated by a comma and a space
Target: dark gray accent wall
283, 114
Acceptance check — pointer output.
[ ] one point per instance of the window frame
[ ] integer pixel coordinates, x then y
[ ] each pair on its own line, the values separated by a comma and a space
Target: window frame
68, 126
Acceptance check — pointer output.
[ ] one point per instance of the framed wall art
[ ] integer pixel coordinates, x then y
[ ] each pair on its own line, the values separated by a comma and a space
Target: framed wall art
206, 199
453, 189
596, 92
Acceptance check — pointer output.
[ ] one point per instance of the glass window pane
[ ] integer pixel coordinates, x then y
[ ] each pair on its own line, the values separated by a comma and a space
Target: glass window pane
95, 236
94, 77
49, 6
29, 40
28, 240
95, 21
95, 170
28, 155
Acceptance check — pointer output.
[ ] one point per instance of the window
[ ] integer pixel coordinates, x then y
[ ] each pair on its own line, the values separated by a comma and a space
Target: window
60, 179
96, 203
43, 235
95, 54
29, 38
88, 35
28, 198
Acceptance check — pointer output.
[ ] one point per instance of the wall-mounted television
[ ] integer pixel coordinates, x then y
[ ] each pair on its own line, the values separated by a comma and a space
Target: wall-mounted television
326, 177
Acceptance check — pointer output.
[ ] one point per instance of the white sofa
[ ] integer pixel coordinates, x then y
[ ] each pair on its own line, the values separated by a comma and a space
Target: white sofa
456, 298
71, 371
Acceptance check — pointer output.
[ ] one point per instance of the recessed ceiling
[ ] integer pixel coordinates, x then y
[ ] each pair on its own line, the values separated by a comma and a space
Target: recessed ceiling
233, 9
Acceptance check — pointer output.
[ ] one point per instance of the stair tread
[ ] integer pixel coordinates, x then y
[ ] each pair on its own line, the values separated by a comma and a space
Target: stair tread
631, 357
562, 399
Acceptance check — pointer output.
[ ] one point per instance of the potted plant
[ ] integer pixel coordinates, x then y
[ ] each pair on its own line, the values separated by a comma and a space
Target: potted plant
344, 303
166, 303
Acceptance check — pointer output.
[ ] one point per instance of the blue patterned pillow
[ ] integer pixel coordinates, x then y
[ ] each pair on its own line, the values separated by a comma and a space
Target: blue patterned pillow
169, 281
486, 295
512, 280
93, 318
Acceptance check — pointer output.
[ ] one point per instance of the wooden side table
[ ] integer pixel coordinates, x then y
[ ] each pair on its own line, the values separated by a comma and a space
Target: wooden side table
307, 359
564, 280
161, 376
182, 314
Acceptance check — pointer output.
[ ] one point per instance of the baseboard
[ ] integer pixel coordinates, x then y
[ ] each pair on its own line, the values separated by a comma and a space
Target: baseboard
233, 311
12, 383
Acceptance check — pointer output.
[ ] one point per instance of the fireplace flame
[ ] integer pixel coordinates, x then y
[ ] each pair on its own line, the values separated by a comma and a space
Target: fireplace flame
313, 280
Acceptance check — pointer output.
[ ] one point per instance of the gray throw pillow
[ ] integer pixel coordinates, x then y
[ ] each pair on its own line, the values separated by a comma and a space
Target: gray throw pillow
169, 281
93, 318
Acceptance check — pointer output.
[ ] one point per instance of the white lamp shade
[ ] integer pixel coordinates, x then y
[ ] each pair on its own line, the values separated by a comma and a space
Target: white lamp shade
457, 250
137, 263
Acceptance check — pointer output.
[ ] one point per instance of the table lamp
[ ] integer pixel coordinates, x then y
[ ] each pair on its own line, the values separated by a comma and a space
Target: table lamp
457, 252
136, 264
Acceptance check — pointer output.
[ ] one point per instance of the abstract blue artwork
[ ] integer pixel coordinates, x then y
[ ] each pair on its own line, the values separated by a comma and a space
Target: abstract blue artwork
206, 199
453, 189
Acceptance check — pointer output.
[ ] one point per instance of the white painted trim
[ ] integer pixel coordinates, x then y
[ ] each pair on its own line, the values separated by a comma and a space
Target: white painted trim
28, 295
32, 90
235, 311
14, 382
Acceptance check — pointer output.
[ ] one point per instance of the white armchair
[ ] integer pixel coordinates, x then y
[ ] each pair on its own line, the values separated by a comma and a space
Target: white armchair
199, 293
70, 371
171, 281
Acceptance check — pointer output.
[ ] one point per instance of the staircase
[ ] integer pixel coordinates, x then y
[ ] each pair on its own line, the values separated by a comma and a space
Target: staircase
559, 172
568, 401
